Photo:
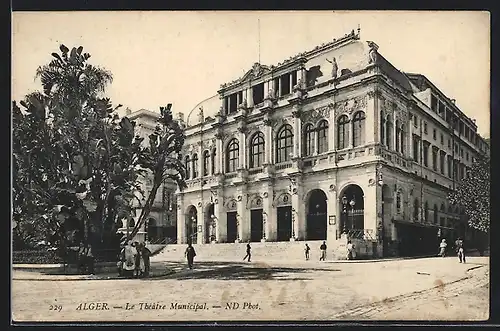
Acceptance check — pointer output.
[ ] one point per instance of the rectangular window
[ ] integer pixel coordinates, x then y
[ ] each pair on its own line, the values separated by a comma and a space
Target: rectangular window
434, 159
434, 134
442, 156
258, 93
461, 128
426, 154
285, 84
415, 149
461, 152
442, 109
425, 127
467, 156
277, 86
434, 103
467, 131
442, 139
233, 104
450, 166
415, 121
449, 143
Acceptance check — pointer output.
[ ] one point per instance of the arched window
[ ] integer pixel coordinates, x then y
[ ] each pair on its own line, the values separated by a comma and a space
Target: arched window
308, 139
187, 164
382, 128
322, 137
435, 216
426, 212
284, 144
403, 139
257, 145
342, 132
416, 206
206, 163
195, 165
232, 155
358, 127
398, 136
388, 132
214, 158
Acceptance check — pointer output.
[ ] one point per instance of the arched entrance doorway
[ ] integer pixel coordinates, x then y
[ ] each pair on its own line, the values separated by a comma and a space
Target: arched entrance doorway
210, 223
192, 224
352, 210
256, 220
316, 215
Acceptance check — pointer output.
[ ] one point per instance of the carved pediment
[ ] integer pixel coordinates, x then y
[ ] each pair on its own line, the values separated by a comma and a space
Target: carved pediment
256, 71
351, 105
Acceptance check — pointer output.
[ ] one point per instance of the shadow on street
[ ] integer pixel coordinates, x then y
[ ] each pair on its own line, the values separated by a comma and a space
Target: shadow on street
234, 271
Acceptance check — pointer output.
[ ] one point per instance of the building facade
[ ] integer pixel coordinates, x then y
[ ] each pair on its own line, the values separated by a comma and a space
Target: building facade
332, 144
161, 226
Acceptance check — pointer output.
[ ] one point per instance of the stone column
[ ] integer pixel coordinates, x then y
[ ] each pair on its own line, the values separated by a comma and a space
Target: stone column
298, 211
250, 97
372, 208
290, 83
333, 230
394, 136
266, 90
372, 127
200, 237
332, 129
221, 214
219, 156
240, 220
268, 132
297, 139
243, 151
181, 220
271, 225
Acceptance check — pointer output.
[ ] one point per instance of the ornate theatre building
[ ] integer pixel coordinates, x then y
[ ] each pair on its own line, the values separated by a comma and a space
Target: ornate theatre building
332, 144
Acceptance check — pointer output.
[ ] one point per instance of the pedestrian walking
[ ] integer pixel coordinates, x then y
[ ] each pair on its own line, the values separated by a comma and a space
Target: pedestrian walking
249, 254
459, 247
323, 251
190, 254
307, 249
442, 248
90, 260
350, 250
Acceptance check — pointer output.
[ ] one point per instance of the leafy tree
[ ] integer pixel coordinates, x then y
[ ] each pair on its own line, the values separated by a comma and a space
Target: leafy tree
75, 162
473, 193
162, 160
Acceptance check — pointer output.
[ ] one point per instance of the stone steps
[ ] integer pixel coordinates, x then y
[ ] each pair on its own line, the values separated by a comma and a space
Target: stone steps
287, 251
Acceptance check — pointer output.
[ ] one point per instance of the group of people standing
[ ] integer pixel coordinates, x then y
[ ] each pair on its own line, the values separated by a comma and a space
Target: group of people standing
459, 249
134, 260
351, 253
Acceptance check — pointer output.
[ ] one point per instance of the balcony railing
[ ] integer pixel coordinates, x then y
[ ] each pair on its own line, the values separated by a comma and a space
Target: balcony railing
254, 171
284, 165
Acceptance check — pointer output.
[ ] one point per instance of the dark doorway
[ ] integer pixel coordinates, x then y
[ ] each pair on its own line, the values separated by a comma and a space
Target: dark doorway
352, 207
284, 223
417, 240
192, 225
152, 230
256, 226
317, 216
232, 228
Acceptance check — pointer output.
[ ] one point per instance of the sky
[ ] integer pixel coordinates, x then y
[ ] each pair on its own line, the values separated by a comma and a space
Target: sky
182, 58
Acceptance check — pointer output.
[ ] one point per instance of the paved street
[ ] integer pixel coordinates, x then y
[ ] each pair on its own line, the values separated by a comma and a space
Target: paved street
431, 288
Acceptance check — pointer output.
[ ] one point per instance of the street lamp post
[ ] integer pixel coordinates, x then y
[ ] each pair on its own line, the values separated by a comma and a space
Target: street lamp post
352, 203
344, 209
264, 219
193, 233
